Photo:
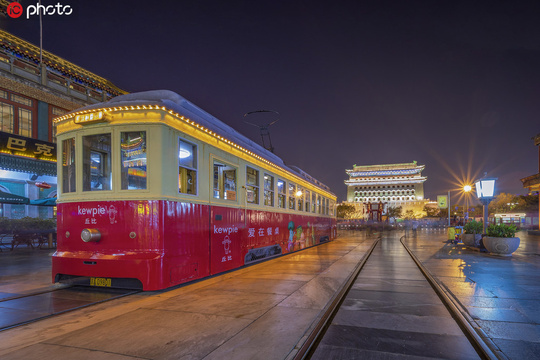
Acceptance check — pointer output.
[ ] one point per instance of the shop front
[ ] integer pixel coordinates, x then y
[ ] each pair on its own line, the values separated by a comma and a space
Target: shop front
27, 177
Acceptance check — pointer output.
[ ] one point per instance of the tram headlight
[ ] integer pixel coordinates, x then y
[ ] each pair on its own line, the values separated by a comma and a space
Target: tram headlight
88, 235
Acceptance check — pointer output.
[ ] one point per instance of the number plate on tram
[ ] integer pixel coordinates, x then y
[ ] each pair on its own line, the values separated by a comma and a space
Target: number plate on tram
104, 282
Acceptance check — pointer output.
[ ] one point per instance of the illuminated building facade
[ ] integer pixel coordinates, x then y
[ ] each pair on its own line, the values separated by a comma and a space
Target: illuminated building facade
378, 187
32, 94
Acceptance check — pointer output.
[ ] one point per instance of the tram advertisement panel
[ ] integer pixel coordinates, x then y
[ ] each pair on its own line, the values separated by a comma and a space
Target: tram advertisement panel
109, 218
226, 232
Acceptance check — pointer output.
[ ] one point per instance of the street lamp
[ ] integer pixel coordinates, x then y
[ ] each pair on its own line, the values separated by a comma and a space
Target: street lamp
485, 189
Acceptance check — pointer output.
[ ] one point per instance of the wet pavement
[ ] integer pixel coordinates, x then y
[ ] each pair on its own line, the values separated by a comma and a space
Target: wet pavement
265, 310
258, 312
501, 294
392, 311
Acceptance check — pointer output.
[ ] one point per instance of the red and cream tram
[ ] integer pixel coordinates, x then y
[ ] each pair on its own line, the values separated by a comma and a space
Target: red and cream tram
155, 192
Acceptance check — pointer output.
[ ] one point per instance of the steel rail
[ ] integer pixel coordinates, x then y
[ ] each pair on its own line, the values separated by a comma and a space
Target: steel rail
479, 340
309, 345
52, 314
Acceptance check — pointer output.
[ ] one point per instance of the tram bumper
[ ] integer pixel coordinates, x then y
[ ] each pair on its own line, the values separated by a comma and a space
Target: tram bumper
142, 270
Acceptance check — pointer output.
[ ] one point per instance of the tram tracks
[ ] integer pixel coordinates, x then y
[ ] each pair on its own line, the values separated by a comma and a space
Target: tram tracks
23, 309
475, 335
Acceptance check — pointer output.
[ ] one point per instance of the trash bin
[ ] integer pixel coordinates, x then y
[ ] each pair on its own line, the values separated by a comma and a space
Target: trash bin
451, 233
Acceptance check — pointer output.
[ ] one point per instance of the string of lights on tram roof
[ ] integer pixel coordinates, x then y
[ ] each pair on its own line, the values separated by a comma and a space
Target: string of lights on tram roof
96, 115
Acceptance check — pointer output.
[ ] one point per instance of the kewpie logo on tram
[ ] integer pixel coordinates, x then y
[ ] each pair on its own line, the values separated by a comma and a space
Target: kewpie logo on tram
91, 212
15, 10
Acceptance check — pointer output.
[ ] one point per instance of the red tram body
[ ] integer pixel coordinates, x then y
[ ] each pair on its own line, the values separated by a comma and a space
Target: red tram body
154, 192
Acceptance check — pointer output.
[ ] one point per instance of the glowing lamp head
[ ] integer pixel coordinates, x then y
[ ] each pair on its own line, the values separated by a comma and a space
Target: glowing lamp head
467, 188
299, 193
485, 188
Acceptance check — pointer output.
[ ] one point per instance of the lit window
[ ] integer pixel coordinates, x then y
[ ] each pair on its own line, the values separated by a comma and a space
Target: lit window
97, 162
300, 198
68, 165
25, 122
292, 196
252, 185
21, 100
6, 118
133, 168
187, 167
268, 190
282, 194
224, 181
307, 197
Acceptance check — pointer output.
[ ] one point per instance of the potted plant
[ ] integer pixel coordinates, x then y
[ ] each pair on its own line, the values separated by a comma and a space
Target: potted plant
472, 233
501, 240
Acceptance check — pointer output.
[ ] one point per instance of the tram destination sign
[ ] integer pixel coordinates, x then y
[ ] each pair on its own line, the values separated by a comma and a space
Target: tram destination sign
16, 145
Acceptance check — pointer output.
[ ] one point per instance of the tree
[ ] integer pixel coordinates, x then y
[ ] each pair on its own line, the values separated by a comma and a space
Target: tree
431, 211
344, 211
504, 203
409, 215
350, 211
394, 212
527, 203
443, 213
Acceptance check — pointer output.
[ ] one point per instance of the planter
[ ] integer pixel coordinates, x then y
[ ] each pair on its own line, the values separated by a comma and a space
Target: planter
471, 240
501, 246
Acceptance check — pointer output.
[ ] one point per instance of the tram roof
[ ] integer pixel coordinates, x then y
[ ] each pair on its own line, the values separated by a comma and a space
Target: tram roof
177, 103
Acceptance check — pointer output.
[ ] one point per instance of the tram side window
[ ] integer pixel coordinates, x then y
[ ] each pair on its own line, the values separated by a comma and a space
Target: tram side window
308, 197
252, 185
224, 181
325, 206
282, 194
268, 190
97, 162
133, 169
332, 207
68, 165
187, 168
314, 203
292, 196
300, 196
319, 204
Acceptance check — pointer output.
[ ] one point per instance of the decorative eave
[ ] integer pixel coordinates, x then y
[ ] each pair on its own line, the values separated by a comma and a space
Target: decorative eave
386, 169
362, 182
537, 140
399, 172
27, 165
24, 48
532, 182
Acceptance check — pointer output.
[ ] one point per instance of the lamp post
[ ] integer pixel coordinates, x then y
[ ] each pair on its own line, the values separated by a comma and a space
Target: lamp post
485, 189
467, 189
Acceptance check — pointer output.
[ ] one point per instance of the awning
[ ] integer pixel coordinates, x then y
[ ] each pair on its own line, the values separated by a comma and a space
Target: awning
44, 202
7, 198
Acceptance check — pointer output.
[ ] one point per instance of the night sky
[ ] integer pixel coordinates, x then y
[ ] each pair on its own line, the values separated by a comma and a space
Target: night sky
453, 85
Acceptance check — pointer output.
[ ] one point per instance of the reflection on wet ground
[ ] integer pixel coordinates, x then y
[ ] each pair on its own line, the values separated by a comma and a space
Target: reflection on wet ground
502, 294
